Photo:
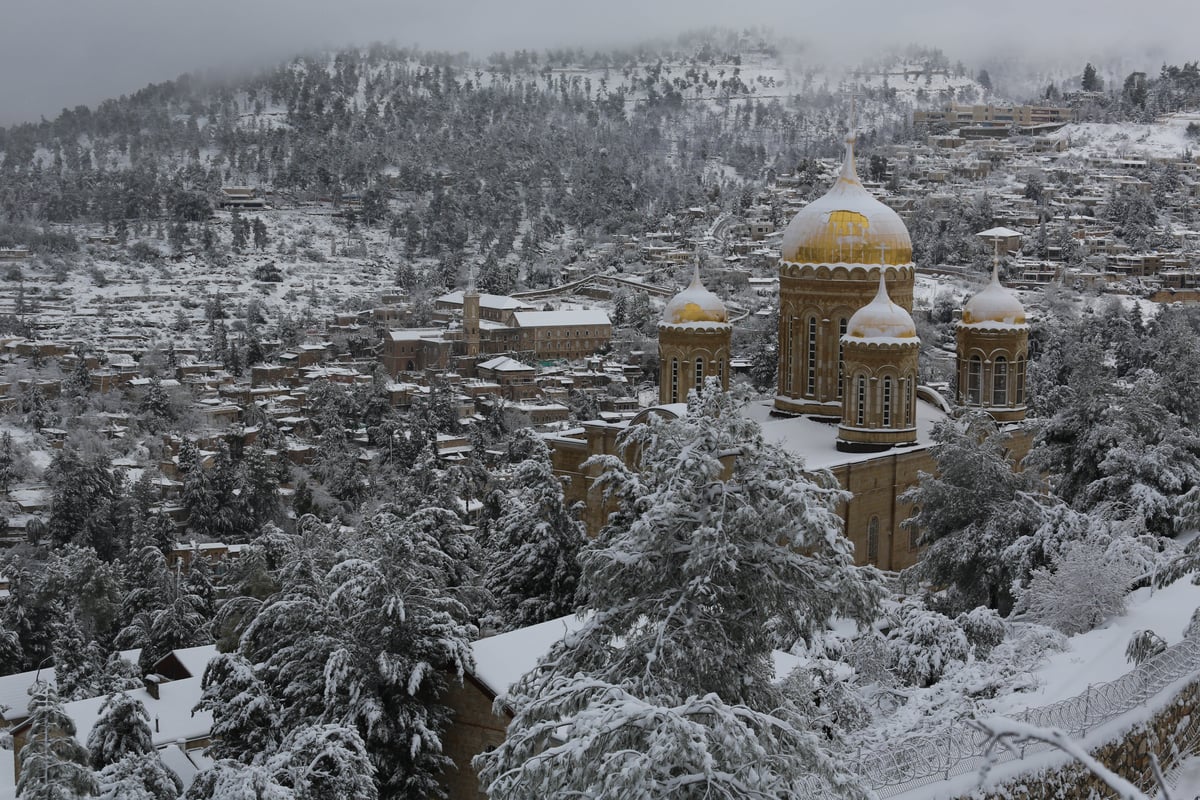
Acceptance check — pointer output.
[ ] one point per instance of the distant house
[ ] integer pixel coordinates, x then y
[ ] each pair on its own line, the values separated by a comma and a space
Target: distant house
240, 197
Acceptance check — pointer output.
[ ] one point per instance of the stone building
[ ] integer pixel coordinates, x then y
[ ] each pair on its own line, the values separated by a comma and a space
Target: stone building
848, 396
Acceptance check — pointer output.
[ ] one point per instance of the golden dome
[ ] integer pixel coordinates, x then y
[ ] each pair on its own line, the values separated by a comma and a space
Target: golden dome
994, 304
881, 319
847, 225
695, 304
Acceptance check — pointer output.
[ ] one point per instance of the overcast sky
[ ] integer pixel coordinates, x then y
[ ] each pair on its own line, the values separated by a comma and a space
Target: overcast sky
58, 53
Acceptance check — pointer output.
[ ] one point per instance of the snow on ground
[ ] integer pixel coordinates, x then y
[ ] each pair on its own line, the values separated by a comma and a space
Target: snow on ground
1098, 656
1164, 138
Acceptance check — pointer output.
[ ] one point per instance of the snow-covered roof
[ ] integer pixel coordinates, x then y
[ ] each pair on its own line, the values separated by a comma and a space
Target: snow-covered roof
504, 364
414, 334
816, 442
548, 319
14, 691
501, 660
171, 716
999, 233
495, 301
195, 659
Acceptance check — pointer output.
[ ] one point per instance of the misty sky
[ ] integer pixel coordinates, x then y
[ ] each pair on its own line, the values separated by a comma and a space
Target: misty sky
57, 53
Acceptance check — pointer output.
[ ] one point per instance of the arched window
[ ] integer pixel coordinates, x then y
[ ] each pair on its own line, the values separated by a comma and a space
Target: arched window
873, 541
1019, 369
861, 401
811, 358
887, 402
1000, 381
674, 380
974, 380
699, 384
841, 376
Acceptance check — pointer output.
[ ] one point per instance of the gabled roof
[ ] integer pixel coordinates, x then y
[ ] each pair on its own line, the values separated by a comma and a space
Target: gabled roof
551, 319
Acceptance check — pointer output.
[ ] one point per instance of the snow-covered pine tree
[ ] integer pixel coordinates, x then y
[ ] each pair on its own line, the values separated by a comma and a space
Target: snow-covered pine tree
532, 571
325, 762
720, 543
138, 776
245, 721
122, 729
233, 780
403, 630
53, 765
972, 510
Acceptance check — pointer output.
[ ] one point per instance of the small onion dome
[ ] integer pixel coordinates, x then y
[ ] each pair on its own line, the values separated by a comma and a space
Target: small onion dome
695, 304
847, 225
994, 304
881, 318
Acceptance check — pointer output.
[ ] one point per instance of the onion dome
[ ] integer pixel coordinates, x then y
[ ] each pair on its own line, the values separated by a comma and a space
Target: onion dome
847, 225
881, 319
994, 304
694, 304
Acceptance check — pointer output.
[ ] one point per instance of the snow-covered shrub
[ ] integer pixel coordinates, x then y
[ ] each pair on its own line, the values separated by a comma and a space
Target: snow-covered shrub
1143, 646
984, 629
871, 658
1084, 588
1193, 626
924, 644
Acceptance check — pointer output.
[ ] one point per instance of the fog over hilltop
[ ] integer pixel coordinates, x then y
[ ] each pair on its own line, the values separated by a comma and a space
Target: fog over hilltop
59, 53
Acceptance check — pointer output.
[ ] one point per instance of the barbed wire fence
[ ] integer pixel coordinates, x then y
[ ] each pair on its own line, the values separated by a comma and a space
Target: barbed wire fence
922, 760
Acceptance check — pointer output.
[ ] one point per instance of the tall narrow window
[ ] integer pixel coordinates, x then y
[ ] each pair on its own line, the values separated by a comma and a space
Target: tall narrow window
1019, 368
699, 384
811, 386
1000, 382
974, 380
674, 380
841, 376
721, 371
907, 390
873, 541
788, 367
887, 402
861, 401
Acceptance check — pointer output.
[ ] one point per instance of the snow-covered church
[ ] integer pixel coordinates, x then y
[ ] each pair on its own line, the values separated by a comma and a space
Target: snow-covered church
848, 396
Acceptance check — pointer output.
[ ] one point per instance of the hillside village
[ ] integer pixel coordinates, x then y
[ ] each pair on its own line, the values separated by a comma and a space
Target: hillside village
222, 397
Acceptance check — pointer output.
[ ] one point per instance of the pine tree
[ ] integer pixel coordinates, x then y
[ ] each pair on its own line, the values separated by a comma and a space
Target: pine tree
138, 776
326, 762
53, 765
532, 568
123, 729
721, 544
245, 721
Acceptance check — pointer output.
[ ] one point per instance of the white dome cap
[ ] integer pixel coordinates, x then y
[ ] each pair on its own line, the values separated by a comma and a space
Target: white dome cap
695, 304
846, 225
881, 318
994, 304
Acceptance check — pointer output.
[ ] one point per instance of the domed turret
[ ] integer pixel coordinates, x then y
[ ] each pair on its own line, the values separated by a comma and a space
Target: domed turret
694, 342
994, 304
992, 352
881, 319
847, 225
695, 304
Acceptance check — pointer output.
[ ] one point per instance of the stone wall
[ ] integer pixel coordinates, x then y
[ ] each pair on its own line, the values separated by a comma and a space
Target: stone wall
1175, 724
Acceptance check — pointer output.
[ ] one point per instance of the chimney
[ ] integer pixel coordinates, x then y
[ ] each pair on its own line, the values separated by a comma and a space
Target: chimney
150, 683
